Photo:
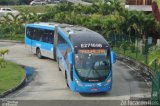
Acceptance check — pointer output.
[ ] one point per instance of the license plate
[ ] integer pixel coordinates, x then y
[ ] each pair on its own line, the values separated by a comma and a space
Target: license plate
94, 89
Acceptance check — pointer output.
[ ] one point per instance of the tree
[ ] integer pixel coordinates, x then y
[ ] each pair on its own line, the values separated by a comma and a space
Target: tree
14, 22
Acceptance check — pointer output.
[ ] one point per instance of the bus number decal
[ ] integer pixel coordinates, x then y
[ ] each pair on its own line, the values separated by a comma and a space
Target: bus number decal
91, 45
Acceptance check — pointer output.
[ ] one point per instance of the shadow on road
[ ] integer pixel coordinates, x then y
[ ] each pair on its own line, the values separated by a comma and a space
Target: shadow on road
99, 94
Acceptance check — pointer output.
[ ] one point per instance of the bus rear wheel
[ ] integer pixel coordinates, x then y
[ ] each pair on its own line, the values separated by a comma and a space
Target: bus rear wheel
38, 53
66, 79
55, 55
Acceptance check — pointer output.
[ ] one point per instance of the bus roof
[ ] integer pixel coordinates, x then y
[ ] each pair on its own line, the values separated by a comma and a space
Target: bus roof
79, 35
43, 25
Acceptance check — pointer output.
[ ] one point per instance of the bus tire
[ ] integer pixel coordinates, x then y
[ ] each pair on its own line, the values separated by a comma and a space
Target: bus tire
55, 56
58, 66
66, 79
38, 53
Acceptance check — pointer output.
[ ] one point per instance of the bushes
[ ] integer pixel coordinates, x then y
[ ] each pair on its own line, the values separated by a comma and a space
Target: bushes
104, 18
2, 61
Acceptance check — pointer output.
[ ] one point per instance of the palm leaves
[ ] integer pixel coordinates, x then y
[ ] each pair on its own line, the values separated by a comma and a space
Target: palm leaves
154, 56
13, 24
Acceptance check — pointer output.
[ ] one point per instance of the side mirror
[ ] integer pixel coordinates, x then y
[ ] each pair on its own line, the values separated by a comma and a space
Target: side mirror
113, 57
69, 57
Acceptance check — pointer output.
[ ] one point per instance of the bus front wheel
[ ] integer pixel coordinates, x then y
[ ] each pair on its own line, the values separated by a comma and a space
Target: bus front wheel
38, 53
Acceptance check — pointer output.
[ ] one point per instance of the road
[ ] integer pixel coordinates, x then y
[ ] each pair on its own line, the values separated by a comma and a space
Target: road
49, 83
79, 2
139, 7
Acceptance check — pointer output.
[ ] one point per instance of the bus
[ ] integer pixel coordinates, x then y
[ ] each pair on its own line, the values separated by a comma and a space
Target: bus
83, 56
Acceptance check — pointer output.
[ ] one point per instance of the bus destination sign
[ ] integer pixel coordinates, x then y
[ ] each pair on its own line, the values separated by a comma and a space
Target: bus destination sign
96, 51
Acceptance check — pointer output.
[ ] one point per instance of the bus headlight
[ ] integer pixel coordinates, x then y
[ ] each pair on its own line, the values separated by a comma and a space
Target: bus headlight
108, 81
78, 82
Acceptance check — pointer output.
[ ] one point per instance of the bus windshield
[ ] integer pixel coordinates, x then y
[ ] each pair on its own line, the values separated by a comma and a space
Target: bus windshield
92, 64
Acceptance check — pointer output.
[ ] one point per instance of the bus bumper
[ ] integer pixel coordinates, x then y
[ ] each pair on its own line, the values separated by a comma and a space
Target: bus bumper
84, 89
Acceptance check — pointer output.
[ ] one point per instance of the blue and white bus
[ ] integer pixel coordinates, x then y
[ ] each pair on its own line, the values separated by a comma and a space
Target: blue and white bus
83, 55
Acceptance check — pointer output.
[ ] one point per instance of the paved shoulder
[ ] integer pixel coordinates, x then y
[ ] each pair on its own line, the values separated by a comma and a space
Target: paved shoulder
49, 83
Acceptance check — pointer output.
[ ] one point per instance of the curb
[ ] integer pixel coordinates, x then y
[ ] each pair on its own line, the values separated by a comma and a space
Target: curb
15, 88
140, 68
11, 41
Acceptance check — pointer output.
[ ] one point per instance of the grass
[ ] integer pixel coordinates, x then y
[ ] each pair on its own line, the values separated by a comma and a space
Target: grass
129, 53
10, 76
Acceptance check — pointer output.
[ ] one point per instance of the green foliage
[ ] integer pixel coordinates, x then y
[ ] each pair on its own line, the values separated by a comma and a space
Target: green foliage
104, 17
3, 52
11, 25
154, 56
158, 2
2, 61
108, 17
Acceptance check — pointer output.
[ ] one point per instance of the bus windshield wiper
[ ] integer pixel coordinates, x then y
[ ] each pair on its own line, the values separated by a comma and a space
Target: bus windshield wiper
91, 70
97, 72
88, 74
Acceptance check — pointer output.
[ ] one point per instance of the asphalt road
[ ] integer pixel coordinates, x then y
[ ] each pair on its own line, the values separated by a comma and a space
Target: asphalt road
49, 83
79, 2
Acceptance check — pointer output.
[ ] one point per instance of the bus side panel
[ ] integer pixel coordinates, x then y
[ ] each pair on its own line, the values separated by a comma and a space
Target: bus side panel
61, 52
34, 47
45, 48
63, 48
28, 43
62, 57
49, 50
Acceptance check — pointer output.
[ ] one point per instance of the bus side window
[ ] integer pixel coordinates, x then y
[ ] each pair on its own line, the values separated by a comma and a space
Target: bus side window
47, 36
43, 37
60, 39
34, 33
50, 37
62, 45
38, 34
29, 32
